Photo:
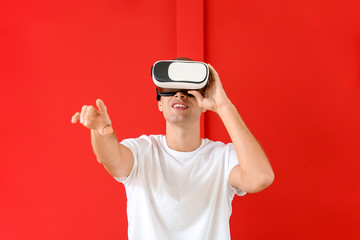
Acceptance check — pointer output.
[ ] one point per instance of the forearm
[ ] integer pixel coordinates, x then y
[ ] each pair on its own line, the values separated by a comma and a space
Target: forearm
105, 147
254, 165
116, 158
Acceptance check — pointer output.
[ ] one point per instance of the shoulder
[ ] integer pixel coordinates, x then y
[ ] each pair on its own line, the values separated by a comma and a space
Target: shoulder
143, 140
216, 145
218, 149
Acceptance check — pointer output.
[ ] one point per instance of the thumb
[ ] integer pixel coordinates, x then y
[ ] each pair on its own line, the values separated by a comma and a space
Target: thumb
198, 96
101, 106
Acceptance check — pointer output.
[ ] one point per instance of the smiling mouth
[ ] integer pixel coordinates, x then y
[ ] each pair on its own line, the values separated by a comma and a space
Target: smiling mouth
179, 105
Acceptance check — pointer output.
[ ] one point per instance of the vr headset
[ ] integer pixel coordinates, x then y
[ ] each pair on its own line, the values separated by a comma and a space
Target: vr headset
171, 76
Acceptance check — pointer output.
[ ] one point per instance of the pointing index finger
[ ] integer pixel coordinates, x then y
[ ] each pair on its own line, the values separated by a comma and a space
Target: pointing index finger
101, 105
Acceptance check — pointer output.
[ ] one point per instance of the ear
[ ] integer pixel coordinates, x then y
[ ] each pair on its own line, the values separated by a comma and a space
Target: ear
160, 106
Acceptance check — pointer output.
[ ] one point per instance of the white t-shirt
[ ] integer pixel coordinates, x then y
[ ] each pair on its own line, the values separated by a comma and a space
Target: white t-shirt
179, 195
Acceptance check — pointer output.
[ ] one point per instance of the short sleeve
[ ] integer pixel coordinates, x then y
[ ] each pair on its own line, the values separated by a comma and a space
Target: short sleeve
133, 145
232, 162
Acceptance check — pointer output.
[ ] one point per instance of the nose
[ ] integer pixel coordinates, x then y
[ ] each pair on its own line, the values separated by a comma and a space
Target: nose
181, 95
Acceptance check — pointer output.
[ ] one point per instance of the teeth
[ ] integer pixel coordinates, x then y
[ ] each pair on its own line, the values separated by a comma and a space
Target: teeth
179, 105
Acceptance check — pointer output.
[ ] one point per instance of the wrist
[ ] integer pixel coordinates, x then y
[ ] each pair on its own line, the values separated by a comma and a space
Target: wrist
224, 107
101, 132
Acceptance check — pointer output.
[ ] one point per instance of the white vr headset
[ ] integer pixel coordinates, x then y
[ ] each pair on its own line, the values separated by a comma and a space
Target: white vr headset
180, 74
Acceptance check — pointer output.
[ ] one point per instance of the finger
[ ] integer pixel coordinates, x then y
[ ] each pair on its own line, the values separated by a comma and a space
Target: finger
75, 118
212, 69
101, 106
90, 112
82, 114
214, 73
198, 96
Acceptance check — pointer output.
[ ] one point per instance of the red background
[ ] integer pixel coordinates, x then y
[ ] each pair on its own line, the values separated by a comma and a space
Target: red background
292, 68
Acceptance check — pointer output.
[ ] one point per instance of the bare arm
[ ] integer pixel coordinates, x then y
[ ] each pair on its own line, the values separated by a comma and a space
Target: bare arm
116, 158
254, 172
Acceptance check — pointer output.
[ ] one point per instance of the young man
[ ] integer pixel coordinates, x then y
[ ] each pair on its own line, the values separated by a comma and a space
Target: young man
180, 186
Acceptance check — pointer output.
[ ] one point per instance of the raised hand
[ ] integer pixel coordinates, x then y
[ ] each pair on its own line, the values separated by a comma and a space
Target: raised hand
215, 96
95, 119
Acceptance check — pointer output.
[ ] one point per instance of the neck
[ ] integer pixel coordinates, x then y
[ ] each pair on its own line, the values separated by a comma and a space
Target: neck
183, 138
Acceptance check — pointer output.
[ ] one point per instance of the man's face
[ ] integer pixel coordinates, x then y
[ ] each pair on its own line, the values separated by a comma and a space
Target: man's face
180, 108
